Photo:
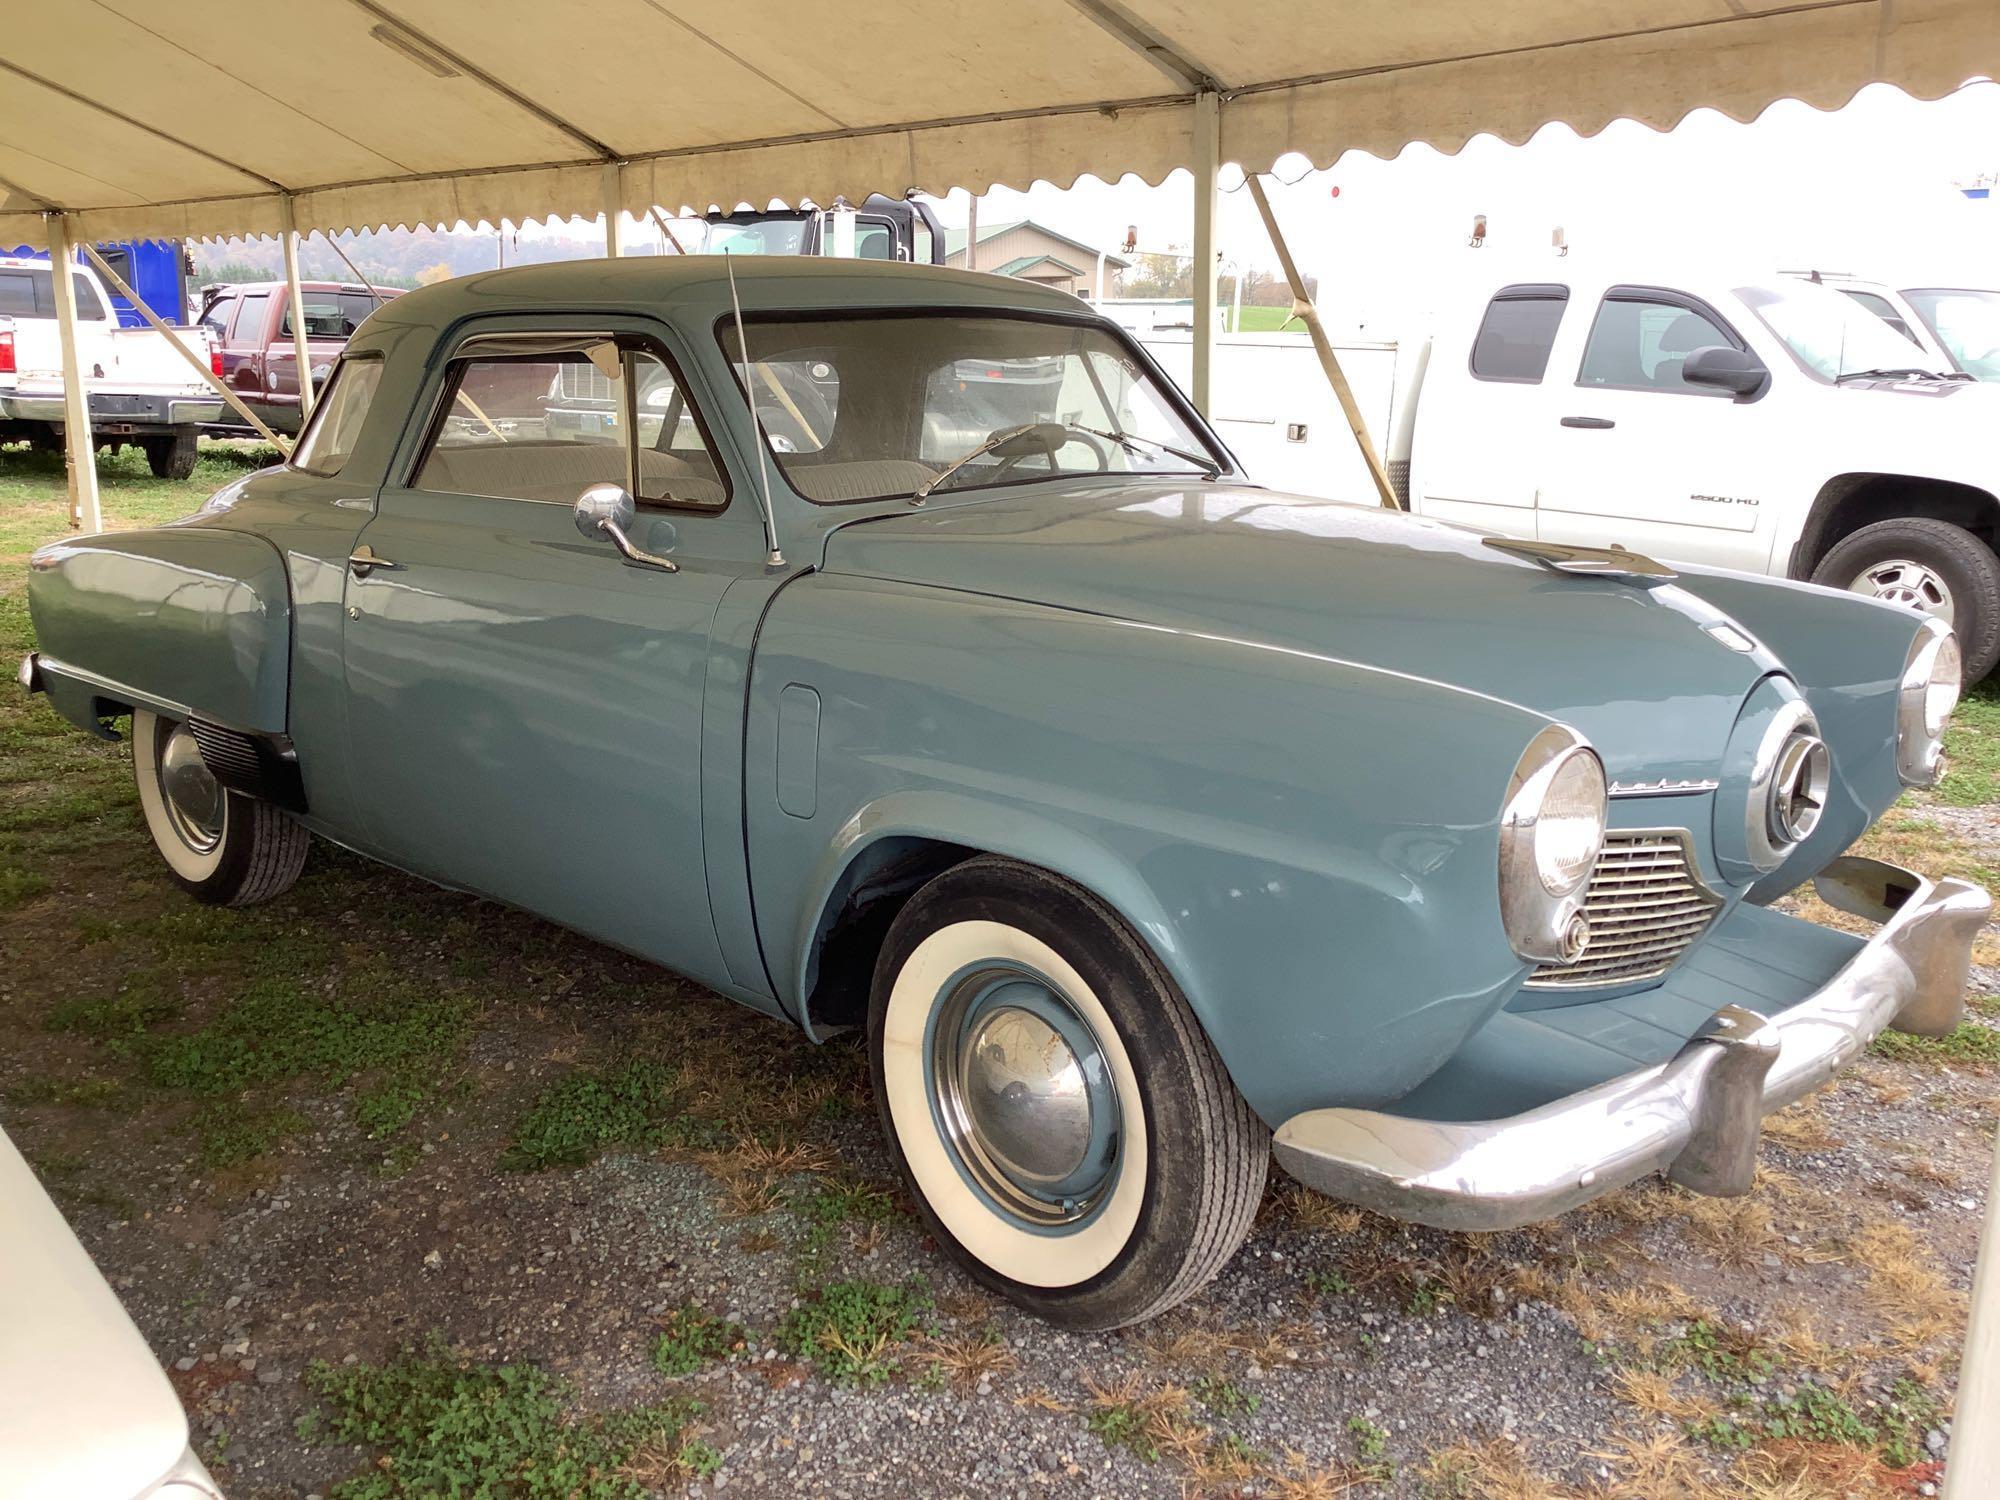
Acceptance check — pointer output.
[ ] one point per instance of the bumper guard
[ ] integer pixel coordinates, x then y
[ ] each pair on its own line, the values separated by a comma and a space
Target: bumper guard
1697, 1116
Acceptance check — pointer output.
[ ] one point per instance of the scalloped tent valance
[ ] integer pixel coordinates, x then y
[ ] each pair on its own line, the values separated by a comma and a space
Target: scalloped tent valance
195, 120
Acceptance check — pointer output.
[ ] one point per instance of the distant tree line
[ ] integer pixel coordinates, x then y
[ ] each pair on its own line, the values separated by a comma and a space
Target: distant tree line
1154, 274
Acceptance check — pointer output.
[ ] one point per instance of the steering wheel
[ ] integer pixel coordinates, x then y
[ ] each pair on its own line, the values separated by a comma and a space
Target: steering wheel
1035, 440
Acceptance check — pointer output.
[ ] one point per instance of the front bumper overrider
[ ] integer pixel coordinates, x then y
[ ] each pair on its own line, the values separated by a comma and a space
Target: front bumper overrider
1697, 1116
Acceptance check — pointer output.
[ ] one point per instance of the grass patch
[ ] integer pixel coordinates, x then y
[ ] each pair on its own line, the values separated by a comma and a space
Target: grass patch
827, 1208
18, 887
589, 1112
847, 1328
442, 1426
690, 1338
1972, 1044
1972, 750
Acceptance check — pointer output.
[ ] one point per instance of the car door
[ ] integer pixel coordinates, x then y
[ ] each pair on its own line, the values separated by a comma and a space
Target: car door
524, 705
1478, 462
1642, 459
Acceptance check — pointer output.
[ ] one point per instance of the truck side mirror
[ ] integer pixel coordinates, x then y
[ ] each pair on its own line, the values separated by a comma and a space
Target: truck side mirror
1724, 369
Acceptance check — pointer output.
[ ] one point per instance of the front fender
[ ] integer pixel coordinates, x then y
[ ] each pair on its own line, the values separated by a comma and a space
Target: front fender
183, 620
1309, 846
1846, 653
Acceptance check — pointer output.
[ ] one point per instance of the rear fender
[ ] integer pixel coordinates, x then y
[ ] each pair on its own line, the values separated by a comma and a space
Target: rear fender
183, 620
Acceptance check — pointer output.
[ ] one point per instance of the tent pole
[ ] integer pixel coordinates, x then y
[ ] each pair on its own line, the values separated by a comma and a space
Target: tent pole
195, 361
1305, 312
295, 300
1975, 1434
1207, 148
85, 514
614, 209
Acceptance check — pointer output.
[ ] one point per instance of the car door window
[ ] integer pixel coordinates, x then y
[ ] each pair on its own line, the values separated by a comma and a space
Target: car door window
335, 425
1639, 342
544, 423
1518, 332
249, 323
874, 240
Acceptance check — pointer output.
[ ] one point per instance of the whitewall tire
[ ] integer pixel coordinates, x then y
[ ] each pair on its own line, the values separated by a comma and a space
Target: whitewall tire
220, 846
1029, 1056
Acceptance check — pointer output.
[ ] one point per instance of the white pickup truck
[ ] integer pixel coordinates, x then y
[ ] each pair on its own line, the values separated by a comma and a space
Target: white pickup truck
140, 390
1761, 423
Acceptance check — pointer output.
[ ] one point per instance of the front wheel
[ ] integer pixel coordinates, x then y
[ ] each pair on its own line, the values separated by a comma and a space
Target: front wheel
220, 846
1932, 567
1068, 1132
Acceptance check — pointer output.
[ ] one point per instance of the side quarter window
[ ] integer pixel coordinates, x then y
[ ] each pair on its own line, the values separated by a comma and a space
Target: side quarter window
1518, 332
543, 418
335, 425
1641, 338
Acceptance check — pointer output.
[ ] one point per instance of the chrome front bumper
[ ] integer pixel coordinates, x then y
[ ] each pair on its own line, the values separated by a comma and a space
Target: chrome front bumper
1696, 1116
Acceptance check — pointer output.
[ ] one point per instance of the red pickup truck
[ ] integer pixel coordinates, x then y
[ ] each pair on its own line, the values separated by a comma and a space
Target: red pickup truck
252, 324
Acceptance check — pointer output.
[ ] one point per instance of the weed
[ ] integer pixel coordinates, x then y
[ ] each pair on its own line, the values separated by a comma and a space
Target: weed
229, 1133
1717, 1352
1328, 1284
690, 1338
965, 1362
48, 1089
444, 1426
1370, 1441
18, 887
847, 1328
828, 1207
1225, 1397
590, 1112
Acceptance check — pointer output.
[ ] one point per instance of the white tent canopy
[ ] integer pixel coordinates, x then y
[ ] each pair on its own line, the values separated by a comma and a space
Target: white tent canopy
201, 119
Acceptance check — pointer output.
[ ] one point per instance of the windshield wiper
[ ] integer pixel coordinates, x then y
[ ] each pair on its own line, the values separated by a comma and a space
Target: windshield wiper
1129, 440
1048, 436
1903, 372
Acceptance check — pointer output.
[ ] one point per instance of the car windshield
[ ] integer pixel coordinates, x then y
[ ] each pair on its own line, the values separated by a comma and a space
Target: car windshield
1832, 335
1967, 323
864, 408
777, 236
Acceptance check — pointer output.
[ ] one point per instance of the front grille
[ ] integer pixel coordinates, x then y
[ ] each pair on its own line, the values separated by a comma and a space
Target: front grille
1645, 904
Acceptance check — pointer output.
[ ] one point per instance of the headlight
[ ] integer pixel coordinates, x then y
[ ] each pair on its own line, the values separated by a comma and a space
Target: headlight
1551, 829
1789, 779
1924, 702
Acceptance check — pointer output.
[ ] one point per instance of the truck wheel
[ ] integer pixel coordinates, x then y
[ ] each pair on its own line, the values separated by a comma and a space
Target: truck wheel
171, 457
1933, 567
1070, 1136
220, 846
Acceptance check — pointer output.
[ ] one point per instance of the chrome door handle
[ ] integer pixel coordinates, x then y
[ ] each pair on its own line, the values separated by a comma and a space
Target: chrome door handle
363, 561
1595, 424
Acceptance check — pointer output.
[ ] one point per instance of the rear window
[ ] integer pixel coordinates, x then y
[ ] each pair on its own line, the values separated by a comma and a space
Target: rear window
331, 315
336, 422
1518, 332
30, 292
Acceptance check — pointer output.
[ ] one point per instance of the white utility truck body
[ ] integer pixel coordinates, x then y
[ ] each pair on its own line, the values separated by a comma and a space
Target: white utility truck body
140, 389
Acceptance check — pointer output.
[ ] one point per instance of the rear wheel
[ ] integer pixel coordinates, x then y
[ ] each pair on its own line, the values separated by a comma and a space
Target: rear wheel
171, 457
220, 846
1932, 567
1068, 1132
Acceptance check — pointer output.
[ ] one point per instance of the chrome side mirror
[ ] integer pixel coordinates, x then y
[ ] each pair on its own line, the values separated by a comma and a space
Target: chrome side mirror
607, 510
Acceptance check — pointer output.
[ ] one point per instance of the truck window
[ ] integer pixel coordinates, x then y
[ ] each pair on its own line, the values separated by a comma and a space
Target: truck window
216, 319
29, 292
330, 315
1518, 332
335, 425
874, 240
1879, 305
250, 316
1638, 343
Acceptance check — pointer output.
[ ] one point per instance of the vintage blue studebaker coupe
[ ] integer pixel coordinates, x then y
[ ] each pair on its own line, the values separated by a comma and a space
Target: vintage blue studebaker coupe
897, 649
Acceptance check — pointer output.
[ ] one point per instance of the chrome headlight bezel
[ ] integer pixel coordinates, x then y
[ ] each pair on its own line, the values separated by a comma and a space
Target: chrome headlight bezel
1931, 673
1789, 780
1543, 913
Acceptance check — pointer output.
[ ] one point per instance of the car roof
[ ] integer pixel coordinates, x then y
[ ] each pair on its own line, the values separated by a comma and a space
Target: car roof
696, 289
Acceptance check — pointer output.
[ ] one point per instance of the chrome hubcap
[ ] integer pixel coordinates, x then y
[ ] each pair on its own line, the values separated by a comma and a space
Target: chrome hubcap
1910, 584
189, 790
1027, 1103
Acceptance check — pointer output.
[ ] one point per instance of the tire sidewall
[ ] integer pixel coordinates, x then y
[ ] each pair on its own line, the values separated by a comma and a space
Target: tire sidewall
1128, 985
1967, 566
216, 875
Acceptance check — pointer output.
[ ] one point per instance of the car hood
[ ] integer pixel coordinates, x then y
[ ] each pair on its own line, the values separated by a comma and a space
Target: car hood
1628, 664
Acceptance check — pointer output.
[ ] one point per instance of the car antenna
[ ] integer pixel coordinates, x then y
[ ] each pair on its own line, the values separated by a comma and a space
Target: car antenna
776, 559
